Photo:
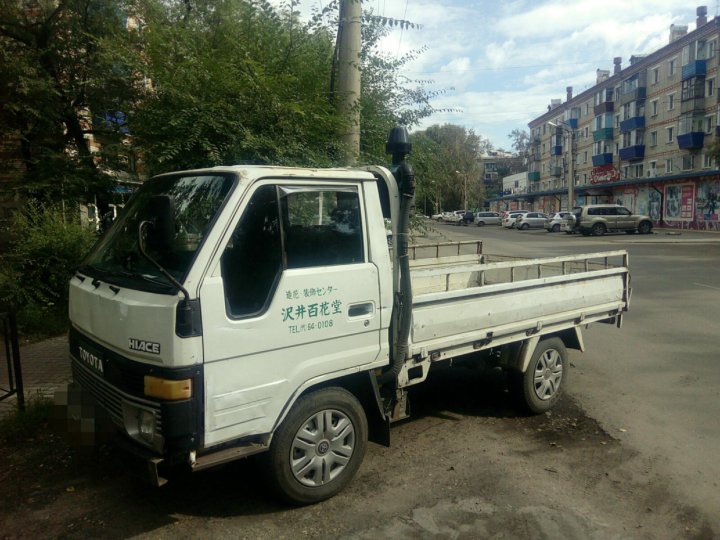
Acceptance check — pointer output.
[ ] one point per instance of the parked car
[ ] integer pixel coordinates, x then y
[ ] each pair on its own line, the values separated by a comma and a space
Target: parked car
468, 217
597, 219
554, 222
444, 216
455, 217
535, 220
509, 220
487, 218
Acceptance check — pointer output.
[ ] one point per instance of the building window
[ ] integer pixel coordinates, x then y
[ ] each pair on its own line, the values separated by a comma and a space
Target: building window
625, 171
709, 124
711, 49
669, 165
655, 75
672, 66
587, 109
651, 169
670, 133
670, 102
585, 156
654, 107
617, 121
707, 161
710, 88
639, 171
688, 162
587, 132
653, 138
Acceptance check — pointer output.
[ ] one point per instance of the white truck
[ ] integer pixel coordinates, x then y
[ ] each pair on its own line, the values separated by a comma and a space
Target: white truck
236, 310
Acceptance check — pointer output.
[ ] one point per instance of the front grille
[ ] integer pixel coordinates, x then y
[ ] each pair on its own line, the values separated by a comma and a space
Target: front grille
109, 397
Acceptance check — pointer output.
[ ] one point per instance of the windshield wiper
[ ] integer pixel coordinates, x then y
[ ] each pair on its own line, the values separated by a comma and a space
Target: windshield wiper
145, 277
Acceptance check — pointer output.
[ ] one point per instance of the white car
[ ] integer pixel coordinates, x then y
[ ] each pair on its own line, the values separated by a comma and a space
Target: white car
555, 221
534, 220
509, 220
455, 217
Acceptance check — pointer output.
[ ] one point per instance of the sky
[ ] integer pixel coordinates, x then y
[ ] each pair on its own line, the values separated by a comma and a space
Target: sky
501, 62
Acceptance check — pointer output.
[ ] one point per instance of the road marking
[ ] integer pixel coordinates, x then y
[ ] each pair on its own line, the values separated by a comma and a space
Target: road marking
708, 286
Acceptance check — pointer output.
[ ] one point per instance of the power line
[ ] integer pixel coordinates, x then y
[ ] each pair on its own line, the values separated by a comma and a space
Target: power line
402, 27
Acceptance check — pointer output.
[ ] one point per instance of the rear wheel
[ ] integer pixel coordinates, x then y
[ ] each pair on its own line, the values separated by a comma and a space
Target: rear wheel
480, 223
319, 447
598, 229
539, 388
645, 227
524, 227
556, 228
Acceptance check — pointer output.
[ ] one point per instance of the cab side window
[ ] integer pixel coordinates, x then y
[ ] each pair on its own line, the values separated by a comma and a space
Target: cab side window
252, 260
322, 227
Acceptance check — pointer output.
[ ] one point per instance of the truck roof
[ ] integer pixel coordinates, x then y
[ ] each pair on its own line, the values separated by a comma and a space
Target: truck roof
252, 172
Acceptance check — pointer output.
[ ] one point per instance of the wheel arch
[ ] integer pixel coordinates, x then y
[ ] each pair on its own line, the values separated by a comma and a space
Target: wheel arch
571, 337
363, 385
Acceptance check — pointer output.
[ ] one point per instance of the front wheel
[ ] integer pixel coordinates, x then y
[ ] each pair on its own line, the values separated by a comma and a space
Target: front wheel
598, 229
539, 388
319, 447
480, 223
645, 227
524, 227
556, 228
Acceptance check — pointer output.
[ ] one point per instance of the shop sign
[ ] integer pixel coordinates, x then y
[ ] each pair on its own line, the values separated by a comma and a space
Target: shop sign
604, 174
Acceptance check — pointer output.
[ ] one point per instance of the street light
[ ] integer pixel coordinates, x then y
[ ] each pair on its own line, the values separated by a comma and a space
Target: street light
571, 183
464, 175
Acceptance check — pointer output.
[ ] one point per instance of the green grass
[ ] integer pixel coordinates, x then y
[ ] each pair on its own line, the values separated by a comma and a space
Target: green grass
22, 425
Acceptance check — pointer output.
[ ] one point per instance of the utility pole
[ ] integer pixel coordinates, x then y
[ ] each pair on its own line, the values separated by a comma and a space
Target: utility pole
348, 74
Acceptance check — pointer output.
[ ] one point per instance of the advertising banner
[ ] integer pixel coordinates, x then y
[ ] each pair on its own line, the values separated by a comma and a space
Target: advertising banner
679, 202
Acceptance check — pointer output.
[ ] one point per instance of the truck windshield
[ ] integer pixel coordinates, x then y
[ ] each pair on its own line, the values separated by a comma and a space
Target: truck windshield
116, 257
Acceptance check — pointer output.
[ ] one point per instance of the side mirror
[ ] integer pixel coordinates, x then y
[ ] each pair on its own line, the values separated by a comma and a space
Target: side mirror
161, 211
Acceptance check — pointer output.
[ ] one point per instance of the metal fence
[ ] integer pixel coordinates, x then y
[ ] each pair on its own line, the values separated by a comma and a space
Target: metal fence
13, 385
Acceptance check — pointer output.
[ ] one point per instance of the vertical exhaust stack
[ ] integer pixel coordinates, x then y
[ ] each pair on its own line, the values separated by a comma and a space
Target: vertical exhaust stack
568, 93
618, 65
399, 146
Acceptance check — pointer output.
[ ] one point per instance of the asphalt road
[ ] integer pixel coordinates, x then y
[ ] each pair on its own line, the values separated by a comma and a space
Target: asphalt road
655, 383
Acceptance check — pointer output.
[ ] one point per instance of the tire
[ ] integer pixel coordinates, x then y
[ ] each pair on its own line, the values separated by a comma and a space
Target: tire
524, 227
555, 228
539, 388
598, 229
309, 462
480, 223
645, 227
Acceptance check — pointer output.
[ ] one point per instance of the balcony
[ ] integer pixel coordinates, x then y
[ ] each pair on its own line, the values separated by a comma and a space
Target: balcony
693, 105
696, 68
633, 95
691, 141
534, 176
573, 123
604, 134
555, 171
602, 159
556, 150
604, 107
636, 122
632, 153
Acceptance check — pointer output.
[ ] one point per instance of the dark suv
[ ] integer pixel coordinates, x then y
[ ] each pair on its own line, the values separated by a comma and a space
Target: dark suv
597, 219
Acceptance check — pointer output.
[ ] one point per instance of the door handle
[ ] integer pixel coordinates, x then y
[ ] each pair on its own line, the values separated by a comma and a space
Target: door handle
361, 310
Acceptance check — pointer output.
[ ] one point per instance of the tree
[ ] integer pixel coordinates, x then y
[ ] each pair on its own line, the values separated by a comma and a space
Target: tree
520, 141
58, 67
446, 160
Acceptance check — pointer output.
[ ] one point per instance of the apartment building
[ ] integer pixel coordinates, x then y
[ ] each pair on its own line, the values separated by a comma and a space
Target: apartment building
639, 137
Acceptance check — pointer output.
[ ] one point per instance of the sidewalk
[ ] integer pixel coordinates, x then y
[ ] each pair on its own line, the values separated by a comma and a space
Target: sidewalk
45, 367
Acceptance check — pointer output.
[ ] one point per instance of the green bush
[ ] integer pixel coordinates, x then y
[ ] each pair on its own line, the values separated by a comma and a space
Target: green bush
46, 245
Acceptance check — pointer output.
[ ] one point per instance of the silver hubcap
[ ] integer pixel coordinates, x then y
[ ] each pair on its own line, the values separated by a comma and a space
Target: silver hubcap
322, 448
548, 374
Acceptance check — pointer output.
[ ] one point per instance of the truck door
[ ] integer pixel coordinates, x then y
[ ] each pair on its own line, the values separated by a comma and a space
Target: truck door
292, 297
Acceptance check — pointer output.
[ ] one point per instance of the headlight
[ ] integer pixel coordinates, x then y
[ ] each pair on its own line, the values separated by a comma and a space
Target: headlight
166, 389
146, 425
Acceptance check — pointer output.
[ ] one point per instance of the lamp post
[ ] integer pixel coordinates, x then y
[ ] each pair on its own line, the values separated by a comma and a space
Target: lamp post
464, 175
570, 131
